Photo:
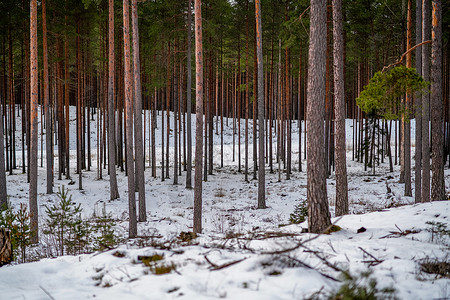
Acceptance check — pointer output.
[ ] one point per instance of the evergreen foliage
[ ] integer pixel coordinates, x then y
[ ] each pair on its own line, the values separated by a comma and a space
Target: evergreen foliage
383, 93
18, 224
103, 227
300, 213
361, 287
65, 224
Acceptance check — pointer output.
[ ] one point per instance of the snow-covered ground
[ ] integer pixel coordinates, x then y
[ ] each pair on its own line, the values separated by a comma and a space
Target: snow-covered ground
397, 238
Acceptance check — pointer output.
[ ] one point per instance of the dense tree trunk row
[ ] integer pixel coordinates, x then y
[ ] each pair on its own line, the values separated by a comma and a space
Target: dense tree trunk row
271, 98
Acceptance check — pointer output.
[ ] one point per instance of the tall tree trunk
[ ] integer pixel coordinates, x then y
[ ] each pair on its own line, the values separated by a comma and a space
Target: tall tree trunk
168, 96
9, 129
34, 124
300, 104
175, 116
339, 98
153, 128
79, 110
255, 100
418, 105
114, 192
48, 119
3, 187
138, 115
262, 169
247, 95
406, 132
287, 102
66, 98
132, 231
189, 101
318, 213
437, 185
199, 118
425, 103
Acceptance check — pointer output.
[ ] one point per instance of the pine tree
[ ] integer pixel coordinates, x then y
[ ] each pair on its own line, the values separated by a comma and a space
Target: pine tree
3, 187
48, 119
132, 231
261, 111
114, 192
188, 100
425, 104
340, 153
319, 215
33, 121
418, 104
199, 117
138, 115
437, 185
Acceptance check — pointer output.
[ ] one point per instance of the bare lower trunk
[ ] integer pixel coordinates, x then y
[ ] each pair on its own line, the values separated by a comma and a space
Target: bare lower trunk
340, 153
114, 192
406, 134
3, 190
318, 213
189, 103
34, 124
425, 104
132, 231
437, 185
262, 169
418, 104
138, 115
199, 119
48, 120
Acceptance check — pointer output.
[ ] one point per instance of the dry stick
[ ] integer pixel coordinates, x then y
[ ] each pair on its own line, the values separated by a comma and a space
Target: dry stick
303, 242
301, 20
309, 267
399, 61
326, 262
376, 260
46, 292
217, 267
300, 244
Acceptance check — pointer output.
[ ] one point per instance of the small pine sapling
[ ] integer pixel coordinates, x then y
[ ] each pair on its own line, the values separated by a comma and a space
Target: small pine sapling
18, 224
62, 219
300, 213
103, 226
23, 231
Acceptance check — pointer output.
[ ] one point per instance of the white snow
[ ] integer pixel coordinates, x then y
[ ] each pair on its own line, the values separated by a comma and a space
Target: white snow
234, 230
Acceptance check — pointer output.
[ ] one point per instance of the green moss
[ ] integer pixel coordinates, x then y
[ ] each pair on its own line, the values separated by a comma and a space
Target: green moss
332, 228
163, 269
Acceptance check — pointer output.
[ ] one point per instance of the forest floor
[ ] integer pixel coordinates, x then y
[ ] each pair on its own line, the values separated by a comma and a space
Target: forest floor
243, 252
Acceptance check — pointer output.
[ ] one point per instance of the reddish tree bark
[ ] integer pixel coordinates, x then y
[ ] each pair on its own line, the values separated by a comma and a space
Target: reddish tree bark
437, 184
48, 120
114, 192
189, 101
318, 213
33, 120
138, 115
262, 169
132, 231
199, 118
340, 153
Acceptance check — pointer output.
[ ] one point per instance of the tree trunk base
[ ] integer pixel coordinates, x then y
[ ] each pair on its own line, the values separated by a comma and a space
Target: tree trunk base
6, 253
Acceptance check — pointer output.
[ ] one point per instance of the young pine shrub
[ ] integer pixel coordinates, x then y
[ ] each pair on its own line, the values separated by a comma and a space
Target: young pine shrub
18, 224
361, 287
300, 213
103, 226
23, 231
65, 224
